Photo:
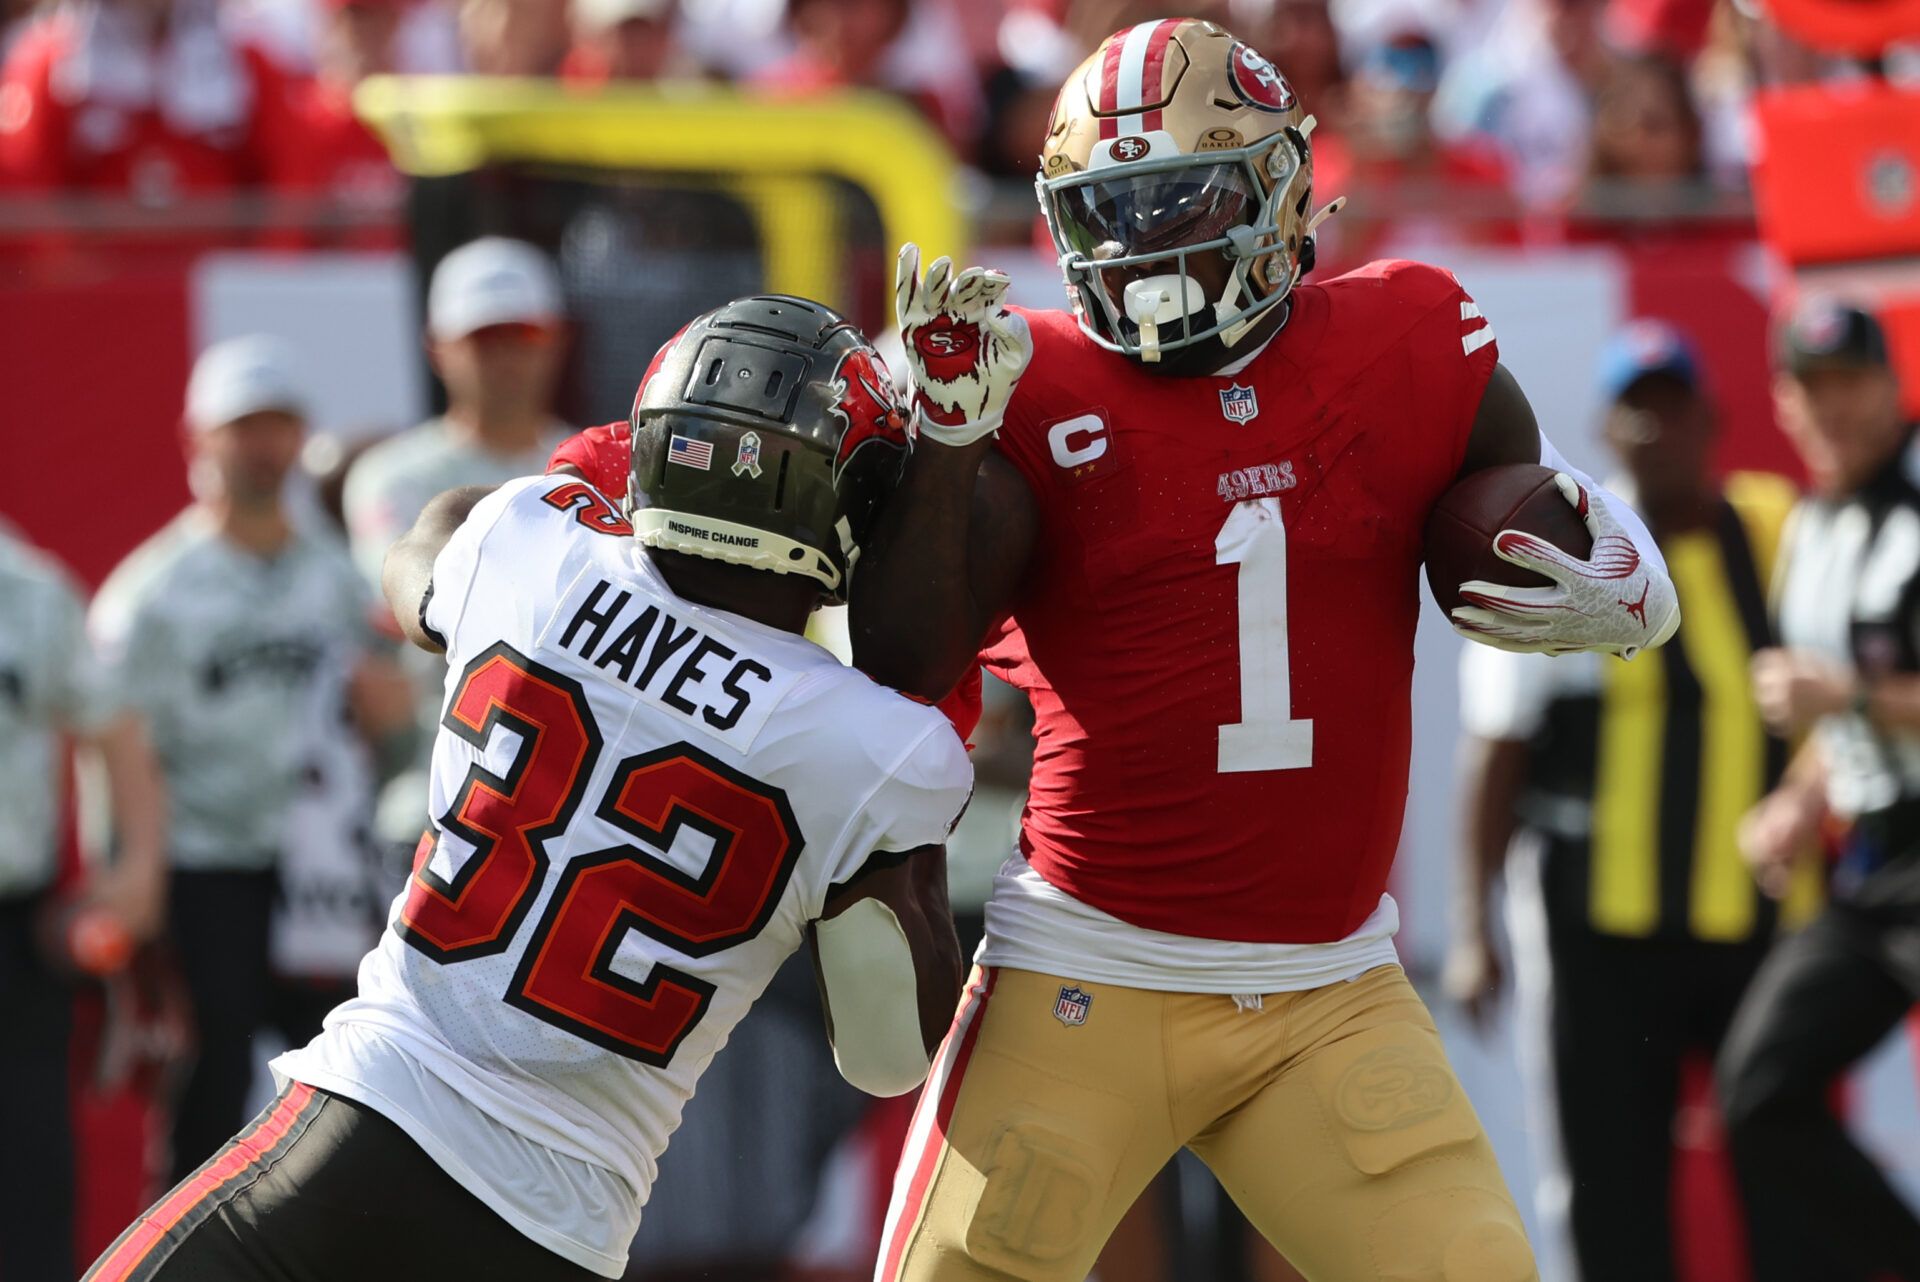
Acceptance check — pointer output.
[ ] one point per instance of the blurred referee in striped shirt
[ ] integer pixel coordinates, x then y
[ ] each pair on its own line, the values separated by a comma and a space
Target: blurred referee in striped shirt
1848, 672
1619, 788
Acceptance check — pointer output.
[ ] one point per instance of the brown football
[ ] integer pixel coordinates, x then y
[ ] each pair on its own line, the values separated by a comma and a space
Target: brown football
1460, 531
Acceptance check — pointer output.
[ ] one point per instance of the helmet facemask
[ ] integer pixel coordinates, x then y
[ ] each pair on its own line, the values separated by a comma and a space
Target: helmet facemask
1110, 221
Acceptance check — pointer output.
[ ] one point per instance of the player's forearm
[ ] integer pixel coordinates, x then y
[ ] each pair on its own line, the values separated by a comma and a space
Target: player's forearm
406, 576
939, 967
137, 795
914, 622
890, 974
1495, 776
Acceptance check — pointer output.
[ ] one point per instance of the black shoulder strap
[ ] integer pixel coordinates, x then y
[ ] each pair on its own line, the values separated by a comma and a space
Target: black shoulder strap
1743, 576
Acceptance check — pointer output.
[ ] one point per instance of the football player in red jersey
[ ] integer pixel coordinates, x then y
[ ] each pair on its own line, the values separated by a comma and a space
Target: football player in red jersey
1196, 544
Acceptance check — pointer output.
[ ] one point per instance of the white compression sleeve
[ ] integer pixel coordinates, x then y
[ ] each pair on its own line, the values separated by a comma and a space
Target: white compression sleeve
1636, 529
867, 967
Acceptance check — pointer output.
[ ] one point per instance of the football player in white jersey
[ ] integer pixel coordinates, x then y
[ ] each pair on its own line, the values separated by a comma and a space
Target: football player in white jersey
648, 791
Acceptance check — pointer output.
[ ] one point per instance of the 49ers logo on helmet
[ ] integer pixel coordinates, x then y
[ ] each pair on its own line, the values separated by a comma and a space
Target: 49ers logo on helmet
1258, 82
866, 403
1130, 148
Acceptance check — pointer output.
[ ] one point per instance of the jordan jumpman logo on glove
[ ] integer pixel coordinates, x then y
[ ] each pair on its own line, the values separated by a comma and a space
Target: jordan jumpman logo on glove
1610, 601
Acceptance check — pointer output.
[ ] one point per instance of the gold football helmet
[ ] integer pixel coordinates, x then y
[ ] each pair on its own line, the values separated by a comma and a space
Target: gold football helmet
1176, 140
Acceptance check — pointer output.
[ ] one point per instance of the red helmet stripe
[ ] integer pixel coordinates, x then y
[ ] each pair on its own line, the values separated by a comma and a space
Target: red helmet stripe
1153, 70
1131, 73
1110, 85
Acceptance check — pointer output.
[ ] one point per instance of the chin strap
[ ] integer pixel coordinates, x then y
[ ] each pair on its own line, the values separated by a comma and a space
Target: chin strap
1325, 212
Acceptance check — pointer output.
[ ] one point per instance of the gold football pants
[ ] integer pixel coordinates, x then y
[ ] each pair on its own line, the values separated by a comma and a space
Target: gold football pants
1331, 1116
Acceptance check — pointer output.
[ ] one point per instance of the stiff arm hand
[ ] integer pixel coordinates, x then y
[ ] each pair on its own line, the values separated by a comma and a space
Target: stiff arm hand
965, 350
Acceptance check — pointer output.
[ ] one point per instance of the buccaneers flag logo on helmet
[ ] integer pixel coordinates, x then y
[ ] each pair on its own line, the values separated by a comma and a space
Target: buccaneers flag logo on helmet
866, 403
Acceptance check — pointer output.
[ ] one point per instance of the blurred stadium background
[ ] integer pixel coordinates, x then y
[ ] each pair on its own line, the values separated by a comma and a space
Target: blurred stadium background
1576, 162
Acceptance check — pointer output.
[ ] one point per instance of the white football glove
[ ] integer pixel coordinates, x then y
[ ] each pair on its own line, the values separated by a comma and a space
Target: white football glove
965, 350
1613, 601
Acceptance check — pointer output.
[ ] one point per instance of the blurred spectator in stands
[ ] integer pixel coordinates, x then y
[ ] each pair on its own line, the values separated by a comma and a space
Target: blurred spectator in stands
14, 18
1676, 27
52, 689
1645, 128
1033, 52
1298, 36
221, 628
513, 37
622, 40
327, 151
1411, 192
1529, 90
891, 45
1647, 174
495, 335
151, 98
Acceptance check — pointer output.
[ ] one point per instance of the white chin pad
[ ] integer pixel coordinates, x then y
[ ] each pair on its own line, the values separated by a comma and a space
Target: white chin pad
1160, 299
1155, 301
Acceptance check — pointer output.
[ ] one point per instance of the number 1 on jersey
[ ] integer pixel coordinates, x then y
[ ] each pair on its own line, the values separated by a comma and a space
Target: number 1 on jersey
1266, 737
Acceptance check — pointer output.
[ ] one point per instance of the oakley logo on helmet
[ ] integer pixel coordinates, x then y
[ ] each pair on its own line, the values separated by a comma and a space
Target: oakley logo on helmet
865, 402
1124, 149
1258, 82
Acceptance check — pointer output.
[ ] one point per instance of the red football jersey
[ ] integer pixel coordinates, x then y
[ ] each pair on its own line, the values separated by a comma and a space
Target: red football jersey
1216, 628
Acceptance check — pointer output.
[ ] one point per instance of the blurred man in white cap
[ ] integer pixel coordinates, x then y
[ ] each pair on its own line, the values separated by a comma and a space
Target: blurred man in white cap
621, 40
494, 331
221, 629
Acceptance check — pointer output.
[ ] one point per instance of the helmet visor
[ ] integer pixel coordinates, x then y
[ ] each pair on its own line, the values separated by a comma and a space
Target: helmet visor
1154, 213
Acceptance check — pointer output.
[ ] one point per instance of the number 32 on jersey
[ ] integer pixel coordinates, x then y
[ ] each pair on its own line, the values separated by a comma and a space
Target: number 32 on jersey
1267, 736
566, 975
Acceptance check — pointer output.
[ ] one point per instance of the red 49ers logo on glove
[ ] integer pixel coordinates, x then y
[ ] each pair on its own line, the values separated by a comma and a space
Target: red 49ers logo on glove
947, 350
965, 349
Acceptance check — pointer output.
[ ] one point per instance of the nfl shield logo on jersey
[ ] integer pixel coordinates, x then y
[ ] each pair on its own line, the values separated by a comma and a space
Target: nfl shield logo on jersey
1238, 403
1070, 1008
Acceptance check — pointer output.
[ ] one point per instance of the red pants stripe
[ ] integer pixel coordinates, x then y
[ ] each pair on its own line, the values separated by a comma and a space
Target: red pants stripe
192, 1200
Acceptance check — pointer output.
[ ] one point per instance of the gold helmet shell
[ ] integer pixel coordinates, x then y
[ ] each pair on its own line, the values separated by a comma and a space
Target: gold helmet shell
1174, 140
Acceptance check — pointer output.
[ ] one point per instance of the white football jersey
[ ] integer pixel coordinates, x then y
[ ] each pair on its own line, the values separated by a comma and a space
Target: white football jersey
638, 805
